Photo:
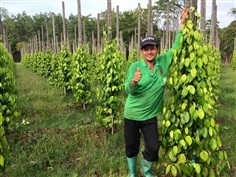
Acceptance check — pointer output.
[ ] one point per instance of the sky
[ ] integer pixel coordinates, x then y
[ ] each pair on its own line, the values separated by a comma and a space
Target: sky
93, 7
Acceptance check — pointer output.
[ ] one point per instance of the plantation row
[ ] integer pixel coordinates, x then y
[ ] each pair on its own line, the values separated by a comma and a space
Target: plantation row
90, 78
8, 96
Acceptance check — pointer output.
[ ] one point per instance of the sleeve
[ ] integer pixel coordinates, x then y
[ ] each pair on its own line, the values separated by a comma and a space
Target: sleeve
130, 74
175, 45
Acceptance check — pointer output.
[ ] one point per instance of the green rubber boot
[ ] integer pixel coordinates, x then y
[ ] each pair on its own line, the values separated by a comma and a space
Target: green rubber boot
132, 166
146, 168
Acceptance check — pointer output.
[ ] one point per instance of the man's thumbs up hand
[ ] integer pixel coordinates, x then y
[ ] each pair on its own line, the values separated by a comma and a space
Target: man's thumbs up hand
137, 77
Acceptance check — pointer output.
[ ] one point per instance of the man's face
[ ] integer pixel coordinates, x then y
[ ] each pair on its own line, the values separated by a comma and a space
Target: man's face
149, 52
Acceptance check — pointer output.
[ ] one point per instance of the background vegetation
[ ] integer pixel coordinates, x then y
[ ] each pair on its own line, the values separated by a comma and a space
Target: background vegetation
22, 27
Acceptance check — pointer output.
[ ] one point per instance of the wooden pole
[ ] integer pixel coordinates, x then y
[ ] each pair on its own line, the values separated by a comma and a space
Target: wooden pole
64, 23
84, 33
75, 36
54, 34
47, 34
98, 32
109, 23
167, 24
79, 23
150, 18
213, 24
117, 25
42, 33
139, 33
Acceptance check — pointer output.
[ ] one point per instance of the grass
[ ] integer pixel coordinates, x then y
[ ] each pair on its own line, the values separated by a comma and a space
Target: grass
227, 114
53, 137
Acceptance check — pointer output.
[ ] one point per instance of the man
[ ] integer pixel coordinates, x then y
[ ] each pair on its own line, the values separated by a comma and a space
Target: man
145, 85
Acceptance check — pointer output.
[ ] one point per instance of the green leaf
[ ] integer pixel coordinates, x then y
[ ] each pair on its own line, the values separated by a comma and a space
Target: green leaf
186, 62
175, 150
177, 135
171, 134
183, 143
1, 160
212, 173
204, 132
204, 155
1, 119
197, 168
174, 171
199, 63
205, 107
191, 89
186, 117
183, 106
207, 123
183, 78
181, 159
196, 46
189, 140
187, 169
205, 171
205, 48
213, 144
193, 72
204, 59
172, 156
192, 56
218, 141
210, 131
186, 130
212, 122
184, 92
167, 123
190, 48
196, 35
168, 169
200, 113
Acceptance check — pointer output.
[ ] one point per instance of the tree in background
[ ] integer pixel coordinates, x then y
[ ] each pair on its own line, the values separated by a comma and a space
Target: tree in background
233, 12
227, 40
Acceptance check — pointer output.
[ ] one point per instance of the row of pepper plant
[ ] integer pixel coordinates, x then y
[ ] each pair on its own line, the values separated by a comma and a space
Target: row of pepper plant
190, 135
8, 98
110, 75
81, 74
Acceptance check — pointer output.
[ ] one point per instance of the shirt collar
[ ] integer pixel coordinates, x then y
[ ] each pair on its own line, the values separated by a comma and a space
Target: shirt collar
145, 64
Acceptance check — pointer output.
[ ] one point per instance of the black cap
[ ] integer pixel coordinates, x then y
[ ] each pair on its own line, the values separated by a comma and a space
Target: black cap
148, 40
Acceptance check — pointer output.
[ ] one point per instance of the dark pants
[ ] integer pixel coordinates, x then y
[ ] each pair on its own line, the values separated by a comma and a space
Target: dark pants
149, 131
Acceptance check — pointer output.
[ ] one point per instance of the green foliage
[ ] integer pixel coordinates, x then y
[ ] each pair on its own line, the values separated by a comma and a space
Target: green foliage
110, 84
53, 78
39, 62
64, 63
234, 61
190, 135
80, 82
8, 97
132, 58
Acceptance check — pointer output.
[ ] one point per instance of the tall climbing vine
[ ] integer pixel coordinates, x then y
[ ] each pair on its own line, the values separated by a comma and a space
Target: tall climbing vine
190, 135
110, 79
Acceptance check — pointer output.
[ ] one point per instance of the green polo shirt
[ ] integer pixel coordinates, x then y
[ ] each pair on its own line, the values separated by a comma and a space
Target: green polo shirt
145, 100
